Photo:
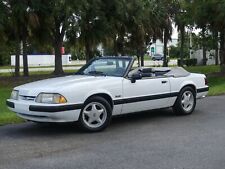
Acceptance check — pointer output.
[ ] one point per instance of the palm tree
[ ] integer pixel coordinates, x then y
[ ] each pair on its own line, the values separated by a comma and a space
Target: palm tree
8, 33
20, 22
55, 17
93, 26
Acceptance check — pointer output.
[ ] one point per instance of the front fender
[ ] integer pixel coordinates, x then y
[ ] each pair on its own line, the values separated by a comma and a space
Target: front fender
98, 91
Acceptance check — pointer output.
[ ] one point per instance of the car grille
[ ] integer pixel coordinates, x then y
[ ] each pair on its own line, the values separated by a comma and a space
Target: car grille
27, 98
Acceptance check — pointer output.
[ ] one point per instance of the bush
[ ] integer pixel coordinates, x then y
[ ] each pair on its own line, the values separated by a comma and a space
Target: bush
4, 60
188, 62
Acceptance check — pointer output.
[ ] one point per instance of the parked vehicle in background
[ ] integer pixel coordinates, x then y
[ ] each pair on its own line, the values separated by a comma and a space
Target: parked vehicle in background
157, 57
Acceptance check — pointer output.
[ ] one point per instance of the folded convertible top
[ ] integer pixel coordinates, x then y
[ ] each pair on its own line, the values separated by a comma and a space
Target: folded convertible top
165, 71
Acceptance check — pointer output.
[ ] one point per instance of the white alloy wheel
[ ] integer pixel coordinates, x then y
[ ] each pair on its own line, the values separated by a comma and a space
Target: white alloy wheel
94, 115
187, 101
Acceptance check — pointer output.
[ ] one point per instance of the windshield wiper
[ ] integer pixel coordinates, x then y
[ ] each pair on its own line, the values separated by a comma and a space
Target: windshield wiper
97, 73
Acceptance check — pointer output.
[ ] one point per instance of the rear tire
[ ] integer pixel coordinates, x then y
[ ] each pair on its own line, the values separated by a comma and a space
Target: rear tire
95, 115
186, 101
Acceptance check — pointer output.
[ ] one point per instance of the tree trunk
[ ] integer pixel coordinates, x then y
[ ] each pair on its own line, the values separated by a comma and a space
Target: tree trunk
120, 41
216, 48
142, 53
115, 50
182, 39
59, 33
138, 57
222, 52
216, 54
165, 41
204, 61
58, 57
142, 60
25, 61
17, 60
88, 50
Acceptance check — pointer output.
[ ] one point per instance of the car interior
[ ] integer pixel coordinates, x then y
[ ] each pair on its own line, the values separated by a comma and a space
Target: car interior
159, 72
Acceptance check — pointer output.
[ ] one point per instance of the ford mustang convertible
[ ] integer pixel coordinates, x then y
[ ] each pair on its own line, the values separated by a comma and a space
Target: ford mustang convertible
104, 87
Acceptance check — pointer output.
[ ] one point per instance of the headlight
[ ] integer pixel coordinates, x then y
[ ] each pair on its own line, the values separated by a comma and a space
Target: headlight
14, 95
50, 98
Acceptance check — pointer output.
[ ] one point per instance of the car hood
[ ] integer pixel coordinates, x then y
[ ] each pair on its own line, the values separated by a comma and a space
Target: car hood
54, 84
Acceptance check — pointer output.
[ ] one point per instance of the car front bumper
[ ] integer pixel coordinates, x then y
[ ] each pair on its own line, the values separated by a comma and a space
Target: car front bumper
45, 112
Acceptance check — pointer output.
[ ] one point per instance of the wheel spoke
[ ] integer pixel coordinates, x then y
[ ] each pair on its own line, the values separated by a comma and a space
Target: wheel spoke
90, 120
188, 97
94, 108
99, 120
87, 113
100, 111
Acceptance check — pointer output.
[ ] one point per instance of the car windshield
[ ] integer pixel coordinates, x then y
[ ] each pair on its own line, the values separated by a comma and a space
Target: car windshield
106, 67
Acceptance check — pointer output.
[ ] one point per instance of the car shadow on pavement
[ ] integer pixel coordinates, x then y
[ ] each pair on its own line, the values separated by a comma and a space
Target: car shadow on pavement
118, 122
143, 116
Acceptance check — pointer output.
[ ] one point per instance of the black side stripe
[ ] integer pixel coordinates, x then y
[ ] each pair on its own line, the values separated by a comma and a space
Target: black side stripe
205, 89
145, 98
153, 97
52, 109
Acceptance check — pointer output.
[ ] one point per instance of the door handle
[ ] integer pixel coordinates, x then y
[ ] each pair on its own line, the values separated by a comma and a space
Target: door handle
164, 81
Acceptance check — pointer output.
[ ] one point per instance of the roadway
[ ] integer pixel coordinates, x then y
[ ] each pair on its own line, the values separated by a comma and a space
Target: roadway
151, 140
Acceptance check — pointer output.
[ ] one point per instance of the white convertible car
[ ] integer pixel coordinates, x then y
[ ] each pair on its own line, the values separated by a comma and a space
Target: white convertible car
104, 87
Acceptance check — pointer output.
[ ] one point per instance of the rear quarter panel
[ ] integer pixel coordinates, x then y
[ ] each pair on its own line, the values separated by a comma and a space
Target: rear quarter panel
197, 80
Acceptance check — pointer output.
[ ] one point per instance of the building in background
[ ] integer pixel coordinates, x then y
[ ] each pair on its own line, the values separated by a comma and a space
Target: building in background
210, 56
157, 47
42, 60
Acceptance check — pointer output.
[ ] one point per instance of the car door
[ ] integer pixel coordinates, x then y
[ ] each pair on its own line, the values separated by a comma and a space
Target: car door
145, 94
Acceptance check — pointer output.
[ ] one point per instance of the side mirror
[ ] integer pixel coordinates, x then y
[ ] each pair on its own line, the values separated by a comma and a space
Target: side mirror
135, 76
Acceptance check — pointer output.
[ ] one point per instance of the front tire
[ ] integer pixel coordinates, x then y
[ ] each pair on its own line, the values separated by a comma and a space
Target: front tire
186, 101
95, 115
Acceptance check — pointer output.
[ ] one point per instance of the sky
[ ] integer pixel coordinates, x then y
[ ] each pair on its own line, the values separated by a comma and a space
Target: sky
175, 32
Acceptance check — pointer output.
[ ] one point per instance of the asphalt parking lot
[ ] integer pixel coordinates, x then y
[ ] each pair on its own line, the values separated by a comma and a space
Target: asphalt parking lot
149, 140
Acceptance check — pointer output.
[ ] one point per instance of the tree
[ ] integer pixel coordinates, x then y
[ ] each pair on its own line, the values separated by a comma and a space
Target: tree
55, 17
93, 26
116, 13
210, 15
9, 35
148, 20
200, 11
20, 21
217, 26
182, 19
166, 10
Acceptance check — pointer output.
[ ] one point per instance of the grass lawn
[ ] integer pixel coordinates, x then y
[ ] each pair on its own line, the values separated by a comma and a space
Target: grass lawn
7, 83
6, 117
203, 69
216, 83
